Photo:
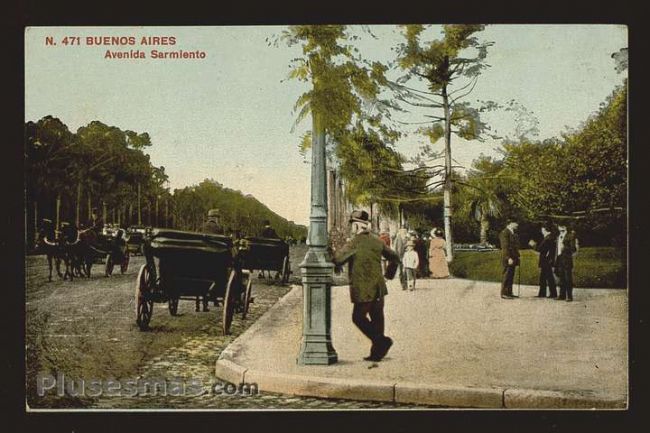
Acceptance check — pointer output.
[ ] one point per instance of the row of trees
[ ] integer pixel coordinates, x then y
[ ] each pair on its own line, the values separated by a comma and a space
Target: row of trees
238, 211
98, 166
67, 174
353, 105
579, 178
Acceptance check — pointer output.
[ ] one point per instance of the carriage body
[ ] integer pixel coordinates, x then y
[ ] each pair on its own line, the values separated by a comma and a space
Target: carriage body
189, 265
135, 239
266, 254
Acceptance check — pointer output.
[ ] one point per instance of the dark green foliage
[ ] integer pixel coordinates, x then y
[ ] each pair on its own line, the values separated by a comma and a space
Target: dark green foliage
104, 164
238, 211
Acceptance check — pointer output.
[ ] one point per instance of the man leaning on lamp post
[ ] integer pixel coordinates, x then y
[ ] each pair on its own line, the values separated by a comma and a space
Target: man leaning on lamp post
363, 254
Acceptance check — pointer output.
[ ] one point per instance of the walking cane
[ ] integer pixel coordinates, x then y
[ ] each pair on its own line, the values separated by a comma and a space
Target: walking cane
519, 281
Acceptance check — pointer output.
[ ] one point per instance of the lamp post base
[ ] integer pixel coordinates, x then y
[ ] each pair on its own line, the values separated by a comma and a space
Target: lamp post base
315, 352
316, 347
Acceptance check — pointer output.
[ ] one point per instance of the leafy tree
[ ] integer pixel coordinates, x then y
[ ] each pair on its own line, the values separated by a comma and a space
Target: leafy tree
484, 194
48, 145
441, 64
347, 109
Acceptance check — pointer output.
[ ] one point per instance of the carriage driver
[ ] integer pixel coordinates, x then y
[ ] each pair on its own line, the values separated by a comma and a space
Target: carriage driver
213, 223
96, 223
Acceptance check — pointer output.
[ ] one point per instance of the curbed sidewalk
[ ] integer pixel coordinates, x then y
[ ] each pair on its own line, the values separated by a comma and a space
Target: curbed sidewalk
457, 344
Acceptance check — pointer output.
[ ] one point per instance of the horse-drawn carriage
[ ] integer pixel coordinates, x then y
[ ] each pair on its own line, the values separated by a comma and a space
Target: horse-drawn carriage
187, 265
265, 254
135, 239
93, 248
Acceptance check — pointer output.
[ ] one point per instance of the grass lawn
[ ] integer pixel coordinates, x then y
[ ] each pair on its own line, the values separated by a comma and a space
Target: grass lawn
593, 267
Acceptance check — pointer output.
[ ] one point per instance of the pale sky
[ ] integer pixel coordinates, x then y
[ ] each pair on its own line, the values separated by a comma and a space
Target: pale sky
229, 116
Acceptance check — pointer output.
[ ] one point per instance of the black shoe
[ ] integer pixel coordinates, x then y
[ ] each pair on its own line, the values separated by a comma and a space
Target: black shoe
569, 299
560, 298
373, 353
383, 349
507, 297
541, 296
372, 358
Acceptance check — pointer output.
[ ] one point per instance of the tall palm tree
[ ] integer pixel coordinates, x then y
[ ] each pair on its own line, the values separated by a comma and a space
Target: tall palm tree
482, 204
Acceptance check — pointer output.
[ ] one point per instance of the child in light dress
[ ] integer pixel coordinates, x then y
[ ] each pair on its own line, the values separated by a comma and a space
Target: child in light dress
410, 262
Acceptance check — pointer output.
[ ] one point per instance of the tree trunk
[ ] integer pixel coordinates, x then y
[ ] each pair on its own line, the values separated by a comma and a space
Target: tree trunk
58, 210
448, 184
485, 226
157, 213
139, 206
332, 214
342, 204
166, 212
90, 205
104, 212
35, 222
78, 210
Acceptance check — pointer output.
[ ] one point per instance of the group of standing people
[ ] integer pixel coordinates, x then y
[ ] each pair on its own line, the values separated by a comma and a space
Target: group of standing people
417, 259
556, 251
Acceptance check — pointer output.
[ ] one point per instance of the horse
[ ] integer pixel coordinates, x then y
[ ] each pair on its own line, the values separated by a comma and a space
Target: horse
50, 244
85, 250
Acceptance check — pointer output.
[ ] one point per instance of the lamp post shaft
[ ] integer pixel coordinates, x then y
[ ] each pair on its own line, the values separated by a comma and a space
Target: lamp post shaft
316, 347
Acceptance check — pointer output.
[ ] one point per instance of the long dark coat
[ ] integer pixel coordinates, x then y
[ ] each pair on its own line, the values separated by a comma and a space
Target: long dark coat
363, 254
509, 247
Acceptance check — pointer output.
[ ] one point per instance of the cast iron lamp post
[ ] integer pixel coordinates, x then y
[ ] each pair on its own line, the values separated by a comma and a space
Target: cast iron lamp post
316, 347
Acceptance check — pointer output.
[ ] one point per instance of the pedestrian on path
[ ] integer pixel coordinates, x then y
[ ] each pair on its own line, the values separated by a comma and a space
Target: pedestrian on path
438, 266
384, 235
567, 248
410, 261
509, 258
400, 247
547, 250
363, 254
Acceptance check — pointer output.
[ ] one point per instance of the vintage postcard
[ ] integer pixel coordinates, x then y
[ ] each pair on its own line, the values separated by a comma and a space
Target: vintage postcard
326, 217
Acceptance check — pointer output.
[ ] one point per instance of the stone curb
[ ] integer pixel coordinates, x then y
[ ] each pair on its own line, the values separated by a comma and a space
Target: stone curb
407, 392
542, 399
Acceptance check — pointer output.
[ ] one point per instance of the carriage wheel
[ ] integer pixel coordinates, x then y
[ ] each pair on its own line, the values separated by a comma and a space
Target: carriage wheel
247, 297
125, 264
286, 270
229, 300
172, 304
143, 306
109, 265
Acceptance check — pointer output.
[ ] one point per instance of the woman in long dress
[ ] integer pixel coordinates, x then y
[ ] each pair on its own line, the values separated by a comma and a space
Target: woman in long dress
437, 257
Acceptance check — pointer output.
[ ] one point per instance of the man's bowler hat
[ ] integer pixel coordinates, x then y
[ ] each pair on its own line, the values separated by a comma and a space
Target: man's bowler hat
359, 216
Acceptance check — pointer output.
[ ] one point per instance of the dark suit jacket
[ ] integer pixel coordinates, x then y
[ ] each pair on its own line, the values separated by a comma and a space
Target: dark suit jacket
569, 247
547, 249
363, 254
509, 247
268, 232
211, 226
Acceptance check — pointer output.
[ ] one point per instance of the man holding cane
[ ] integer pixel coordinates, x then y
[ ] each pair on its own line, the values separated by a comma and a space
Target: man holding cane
509, 258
